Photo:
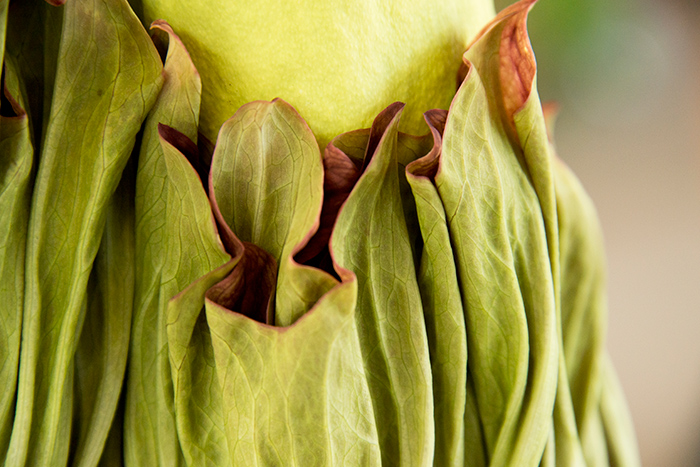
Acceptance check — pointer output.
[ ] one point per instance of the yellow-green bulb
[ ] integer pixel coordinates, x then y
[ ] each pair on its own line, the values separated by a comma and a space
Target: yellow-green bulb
338, 62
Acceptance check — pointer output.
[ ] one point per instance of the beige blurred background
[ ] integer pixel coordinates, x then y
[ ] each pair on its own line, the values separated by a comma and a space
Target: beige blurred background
626, 74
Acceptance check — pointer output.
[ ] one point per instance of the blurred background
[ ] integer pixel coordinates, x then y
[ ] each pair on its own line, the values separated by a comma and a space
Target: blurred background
626, 74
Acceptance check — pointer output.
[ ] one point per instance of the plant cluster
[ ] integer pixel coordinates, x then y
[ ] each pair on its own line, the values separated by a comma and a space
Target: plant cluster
391, 300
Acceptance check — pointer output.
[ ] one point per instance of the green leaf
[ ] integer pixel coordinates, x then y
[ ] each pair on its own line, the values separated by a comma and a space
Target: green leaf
100, 358
196, 260
500, 233
33, 40
370, 239
3, 26
113, 453
295, 395
525, 123
584, 308
267, 180
442, 305
282, 395
617, 422
151, 436
107, 78
16, 154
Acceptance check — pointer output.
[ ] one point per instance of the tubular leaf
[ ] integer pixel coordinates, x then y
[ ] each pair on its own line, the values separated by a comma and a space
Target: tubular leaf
16, 155
370, 239
78, 173
442, 305
150, 430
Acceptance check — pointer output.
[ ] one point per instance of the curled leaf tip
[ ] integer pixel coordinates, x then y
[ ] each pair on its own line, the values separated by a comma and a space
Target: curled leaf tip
161, 35
188, 148
514, 10
342, 170
9, 106
427, 166
162, 25
379, 127
436, 120
517, 61
516, 66
169, 44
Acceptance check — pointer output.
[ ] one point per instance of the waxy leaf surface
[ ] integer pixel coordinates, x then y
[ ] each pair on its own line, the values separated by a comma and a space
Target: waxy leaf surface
196, 261
371, 240
442, 305
105, 91
16, 154
267, 180
500, 241
287, 395
150, 431
100, 359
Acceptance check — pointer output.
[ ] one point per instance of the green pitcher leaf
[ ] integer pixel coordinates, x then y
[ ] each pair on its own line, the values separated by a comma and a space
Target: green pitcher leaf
370, 239
100, 359
500, 233
267, 180
105, 50
442, 305
505, 278
516, 99
295, 395
196, 260
530, 126
524, 122
16, 155
33, 39
311, 373
3, 26
343, 164
530, 131
583, 308
617, 422
150, 429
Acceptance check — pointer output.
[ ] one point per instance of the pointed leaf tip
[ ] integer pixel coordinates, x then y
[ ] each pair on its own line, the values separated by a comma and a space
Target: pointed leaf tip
379, 127
518, 66
188, 148
427, 166
9, 105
